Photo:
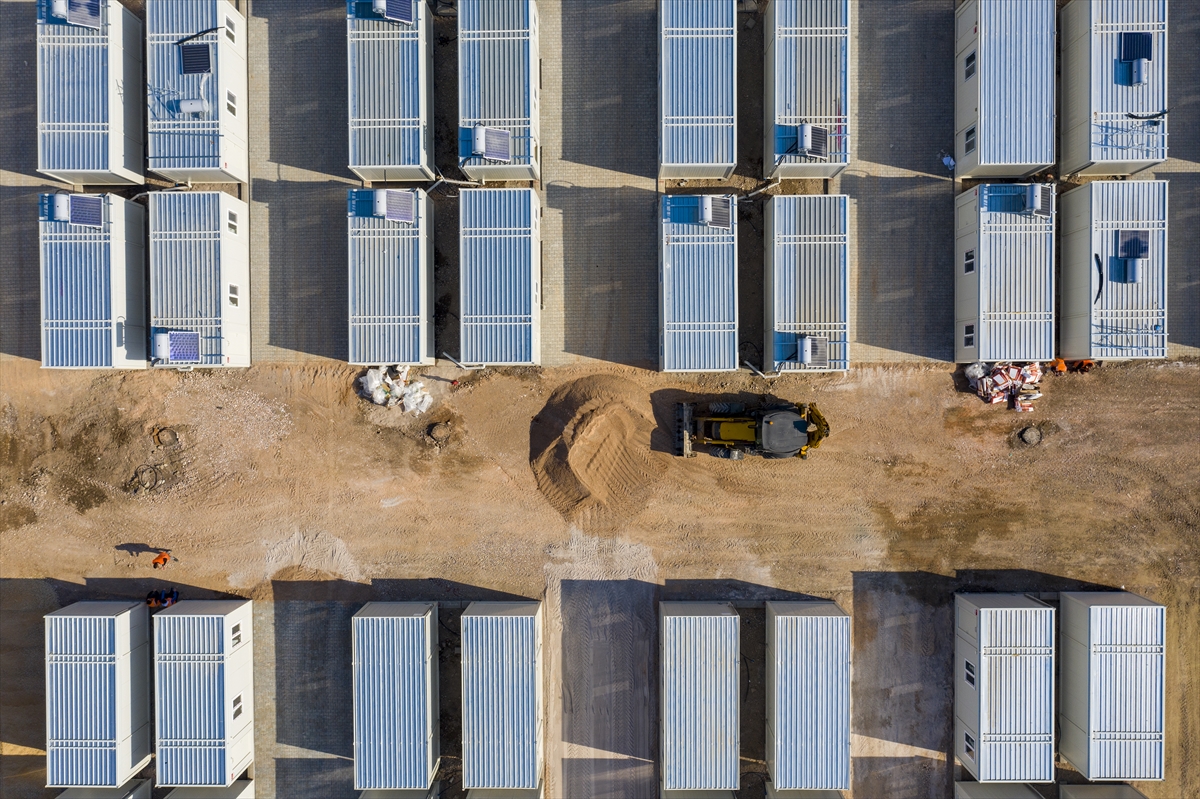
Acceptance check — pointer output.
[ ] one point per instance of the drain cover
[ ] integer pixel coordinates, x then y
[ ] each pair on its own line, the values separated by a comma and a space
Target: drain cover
1030, 436
439, 432
167, 437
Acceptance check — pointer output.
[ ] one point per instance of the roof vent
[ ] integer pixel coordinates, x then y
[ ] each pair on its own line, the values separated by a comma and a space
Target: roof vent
813, 141
1039, 199
77, 12
176, 346
813, 351
717, 211
195, 59
1133, 249
493, 144
396, 206
395, 10
87, 210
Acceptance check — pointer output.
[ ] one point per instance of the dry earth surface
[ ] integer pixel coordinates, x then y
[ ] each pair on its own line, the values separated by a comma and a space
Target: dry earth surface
285, 487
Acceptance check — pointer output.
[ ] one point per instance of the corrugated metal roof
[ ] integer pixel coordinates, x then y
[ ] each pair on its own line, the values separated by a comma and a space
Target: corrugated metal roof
812, 71
812, 273
177, 140
698, 276
1015, 262
81, 701
388, 75
73, 101
701, 699
1126, 702
387, 282
497, 240
1016, 695
185, 267
77, 311
1016, 58
698, 81
812, 702
1129, 320
501, 711
1116, 137
496, 64
391, 702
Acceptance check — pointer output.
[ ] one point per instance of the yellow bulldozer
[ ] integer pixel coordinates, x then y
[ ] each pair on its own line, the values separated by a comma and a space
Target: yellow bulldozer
733, 431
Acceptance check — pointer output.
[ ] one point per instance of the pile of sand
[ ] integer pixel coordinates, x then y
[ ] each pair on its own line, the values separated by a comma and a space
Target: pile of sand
590, 451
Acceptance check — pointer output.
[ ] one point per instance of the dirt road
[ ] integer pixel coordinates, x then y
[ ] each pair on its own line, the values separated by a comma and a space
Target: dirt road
282, 485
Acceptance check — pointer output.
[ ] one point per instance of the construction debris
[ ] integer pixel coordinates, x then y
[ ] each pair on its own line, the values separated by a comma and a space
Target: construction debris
389, 386
1006, 382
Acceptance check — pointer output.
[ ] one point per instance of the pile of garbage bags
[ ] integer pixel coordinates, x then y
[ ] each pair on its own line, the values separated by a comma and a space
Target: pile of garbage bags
389, 387
1006, 382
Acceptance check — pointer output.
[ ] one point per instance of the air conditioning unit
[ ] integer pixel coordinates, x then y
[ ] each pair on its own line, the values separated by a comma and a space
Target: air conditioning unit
1039, 199
395, 10
493, 144
395, 205
176, 346
77, 12
78, 209
813, 141
717, 212
1133, 248
813, 351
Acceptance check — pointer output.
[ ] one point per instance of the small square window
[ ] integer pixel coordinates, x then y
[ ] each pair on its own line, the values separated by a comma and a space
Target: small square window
969, 262
236, 632
969, 336
970, 139
970, 67
969, 745
233, 295
232, 222
969, 672
237, 706
231, 102
230, 30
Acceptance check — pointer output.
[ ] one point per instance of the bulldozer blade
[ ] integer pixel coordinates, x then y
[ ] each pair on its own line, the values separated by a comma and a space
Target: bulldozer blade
683, 430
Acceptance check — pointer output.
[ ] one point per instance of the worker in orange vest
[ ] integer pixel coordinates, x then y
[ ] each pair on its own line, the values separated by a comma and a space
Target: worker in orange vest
162, 559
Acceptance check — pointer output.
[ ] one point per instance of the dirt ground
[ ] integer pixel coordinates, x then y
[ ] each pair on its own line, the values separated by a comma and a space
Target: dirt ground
559, 485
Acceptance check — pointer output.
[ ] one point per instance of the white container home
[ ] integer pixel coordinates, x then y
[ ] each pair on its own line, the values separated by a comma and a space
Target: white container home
700, 691
395, 672
93, 281
698, 283
1114, 270
499, 90
807, 276
197, 103
391, 276
204, 693
1114, 78
1004, 113
89, 72
97, 695
199, 280
1004, 273
994, 790
500, 263
807, 80
390, 69
502, 715
1113, 711
1004, 687
697, 92
808, 699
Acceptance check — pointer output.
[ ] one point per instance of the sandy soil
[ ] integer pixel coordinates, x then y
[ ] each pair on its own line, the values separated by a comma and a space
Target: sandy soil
282, 485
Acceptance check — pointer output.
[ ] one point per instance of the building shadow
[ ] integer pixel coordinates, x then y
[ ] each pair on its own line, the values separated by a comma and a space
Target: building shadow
751, 96
1183, 267
610, 272
610, 85
751, 265
308, 275
904, 234
446, 279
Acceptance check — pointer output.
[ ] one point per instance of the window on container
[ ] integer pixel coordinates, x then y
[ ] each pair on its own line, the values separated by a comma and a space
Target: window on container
969, 262
237, 706
970, 139
232, 222
230, 30
969, 672
969, 745
969, 336
236, 632
969, 70
233, 300
231, 102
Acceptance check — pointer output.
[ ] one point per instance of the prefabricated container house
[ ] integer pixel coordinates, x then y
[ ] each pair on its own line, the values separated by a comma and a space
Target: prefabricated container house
1004, 273
807, 126
499, 90
1114, 270
1111, 720
807, 275
204, 692
390, 68
994, 790
500, 263
808, 699
1004, 88
89, 68
1099, 792
199, 280
1004, 687
700, 689
697, 89
395, 673
391, 276
93, 262
1114, 77
240, 789
502, 699
196, 91
698, 284
97, 694
134, 789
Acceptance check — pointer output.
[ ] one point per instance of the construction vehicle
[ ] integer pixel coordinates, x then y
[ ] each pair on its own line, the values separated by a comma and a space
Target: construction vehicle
730, 430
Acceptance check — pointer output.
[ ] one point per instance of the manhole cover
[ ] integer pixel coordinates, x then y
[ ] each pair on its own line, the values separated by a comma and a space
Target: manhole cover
147, 477
439, 432
167, 437
1030, 436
